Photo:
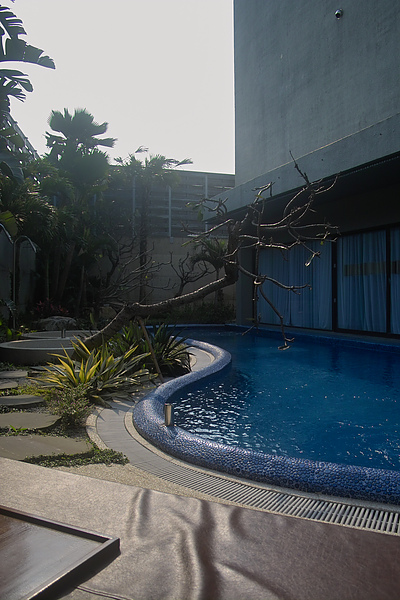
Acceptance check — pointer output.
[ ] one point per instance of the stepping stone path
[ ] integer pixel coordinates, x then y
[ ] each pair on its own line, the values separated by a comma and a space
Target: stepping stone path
13, 374
19, 447
28, 420
21, 401
8, 385
7, 379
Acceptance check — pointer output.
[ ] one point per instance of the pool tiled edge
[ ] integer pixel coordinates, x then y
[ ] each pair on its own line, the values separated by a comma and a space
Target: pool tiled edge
359, 483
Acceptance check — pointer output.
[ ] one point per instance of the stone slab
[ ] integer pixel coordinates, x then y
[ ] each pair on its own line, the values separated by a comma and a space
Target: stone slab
20, 401
8, 385
19, 447
28, 420
13, 374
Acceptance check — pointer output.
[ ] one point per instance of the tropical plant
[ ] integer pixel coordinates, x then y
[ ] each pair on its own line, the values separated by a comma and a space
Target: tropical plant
98, 372
14, 83
5, 331
71, 404
28, 212
143, 175
212, 251
169, 347
72, 177
79, 133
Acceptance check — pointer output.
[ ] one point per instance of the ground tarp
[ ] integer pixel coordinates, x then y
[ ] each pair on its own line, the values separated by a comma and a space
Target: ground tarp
178, 548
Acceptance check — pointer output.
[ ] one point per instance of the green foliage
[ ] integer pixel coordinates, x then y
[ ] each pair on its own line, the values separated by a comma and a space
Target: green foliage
169, 348
95, 456
14, 84
171, 352
203, 312
79, 133
71, 404
16, 430
211, 250
5, 331
6, 366
98, 372
7, 220
14, 49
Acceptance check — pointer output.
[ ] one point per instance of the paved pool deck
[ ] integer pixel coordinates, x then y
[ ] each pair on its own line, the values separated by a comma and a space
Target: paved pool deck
113, 428
190, 548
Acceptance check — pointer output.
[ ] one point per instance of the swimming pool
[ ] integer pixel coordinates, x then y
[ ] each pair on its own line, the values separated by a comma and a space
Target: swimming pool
289, 461
319, 400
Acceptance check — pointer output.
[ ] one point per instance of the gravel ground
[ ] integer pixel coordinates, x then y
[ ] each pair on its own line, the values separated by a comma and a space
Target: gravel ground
130, 475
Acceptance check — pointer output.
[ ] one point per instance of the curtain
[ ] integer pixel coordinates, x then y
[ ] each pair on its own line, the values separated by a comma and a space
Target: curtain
395, 280
362, 282
310, 307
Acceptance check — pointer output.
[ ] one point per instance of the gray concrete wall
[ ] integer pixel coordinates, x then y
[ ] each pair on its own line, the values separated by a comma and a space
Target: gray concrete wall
6, 265
321, 87
164, 281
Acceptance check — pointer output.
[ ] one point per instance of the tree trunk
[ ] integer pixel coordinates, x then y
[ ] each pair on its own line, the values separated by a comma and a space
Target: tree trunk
55, 272
148, 310
64, 276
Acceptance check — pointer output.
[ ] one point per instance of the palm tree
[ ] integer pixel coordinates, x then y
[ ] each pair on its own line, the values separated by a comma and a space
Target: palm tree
143, 175
14, 84
78, 133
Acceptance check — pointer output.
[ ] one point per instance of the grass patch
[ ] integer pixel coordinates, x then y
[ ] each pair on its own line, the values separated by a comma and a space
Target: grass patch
94, 457
31, 389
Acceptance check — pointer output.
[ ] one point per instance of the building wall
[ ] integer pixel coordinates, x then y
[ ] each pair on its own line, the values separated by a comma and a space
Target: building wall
168, 212
323, 90
306, 81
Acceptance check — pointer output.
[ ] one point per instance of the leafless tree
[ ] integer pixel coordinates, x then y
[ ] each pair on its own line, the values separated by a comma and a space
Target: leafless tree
296, 226
187, 273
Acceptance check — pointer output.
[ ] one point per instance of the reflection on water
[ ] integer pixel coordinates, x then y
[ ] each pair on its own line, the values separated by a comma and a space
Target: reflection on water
315, 401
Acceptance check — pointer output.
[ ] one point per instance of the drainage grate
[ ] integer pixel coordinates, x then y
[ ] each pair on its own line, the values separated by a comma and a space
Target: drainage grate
116, 429
283, 503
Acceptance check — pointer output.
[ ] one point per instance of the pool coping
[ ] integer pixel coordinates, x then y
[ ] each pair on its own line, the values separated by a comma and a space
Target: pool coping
300, 475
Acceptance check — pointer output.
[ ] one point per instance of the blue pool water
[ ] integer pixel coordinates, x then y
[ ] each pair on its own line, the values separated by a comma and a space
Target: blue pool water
321, 400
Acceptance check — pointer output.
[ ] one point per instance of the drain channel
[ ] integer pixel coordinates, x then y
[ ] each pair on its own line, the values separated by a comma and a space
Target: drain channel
116, 429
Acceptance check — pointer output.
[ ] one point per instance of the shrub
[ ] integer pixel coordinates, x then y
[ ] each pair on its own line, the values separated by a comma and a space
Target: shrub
47, 308
204, 312
98, 371
71, 403
169, 348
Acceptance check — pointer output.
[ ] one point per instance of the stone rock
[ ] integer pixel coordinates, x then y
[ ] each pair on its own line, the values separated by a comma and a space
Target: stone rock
21, 401
8, 385
13, 374
28, 420
19, 447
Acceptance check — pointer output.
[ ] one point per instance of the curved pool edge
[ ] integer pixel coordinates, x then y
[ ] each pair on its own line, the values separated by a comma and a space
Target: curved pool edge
347, 481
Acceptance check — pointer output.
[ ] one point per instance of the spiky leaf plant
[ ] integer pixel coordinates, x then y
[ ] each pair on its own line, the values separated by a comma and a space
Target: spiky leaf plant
169, 347
99, 372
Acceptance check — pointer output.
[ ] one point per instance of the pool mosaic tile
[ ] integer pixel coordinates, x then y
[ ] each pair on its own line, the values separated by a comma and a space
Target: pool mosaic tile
362, 483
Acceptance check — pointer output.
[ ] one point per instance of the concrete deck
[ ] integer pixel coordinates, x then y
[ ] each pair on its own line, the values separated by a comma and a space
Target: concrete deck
175, 548
180, 548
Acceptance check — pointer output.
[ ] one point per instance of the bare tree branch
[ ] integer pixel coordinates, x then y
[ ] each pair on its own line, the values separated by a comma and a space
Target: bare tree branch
296, 227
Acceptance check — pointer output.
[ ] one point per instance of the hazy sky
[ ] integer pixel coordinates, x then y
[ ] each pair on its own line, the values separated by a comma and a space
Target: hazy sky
160, 72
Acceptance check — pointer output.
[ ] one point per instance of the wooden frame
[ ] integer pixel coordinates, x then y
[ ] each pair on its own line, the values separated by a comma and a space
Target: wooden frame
39, 558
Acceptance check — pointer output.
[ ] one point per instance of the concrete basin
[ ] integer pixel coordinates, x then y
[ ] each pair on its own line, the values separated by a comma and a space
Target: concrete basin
51, 335
34, 351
